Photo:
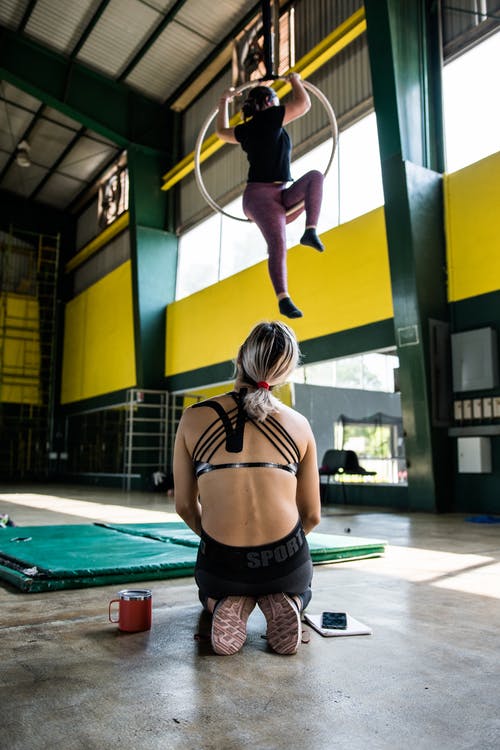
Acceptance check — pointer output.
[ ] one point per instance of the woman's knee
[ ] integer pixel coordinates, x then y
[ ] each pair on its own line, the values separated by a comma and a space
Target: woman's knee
316, 175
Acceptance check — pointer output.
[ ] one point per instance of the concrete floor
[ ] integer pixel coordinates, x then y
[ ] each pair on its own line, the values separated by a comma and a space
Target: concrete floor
428, 678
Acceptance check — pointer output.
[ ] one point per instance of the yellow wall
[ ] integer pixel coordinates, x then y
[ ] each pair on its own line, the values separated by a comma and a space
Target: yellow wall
98, 354
200, 394
19, 349
346, 286
472, 214
284, 393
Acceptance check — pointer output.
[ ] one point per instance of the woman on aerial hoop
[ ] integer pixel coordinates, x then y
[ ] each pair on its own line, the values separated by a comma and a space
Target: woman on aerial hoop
267, 200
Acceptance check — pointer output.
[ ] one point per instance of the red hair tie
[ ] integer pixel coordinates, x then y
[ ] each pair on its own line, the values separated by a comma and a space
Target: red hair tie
263, 384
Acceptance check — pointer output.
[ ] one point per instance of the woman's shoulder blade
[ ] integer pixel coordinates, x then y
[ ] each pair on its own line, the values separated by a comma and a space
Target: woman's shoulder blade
291, 414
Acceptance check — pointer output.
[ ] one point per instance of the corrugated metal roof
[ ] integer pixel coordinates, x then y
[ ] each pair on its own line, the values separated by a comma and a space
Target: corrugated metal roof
163, 68
162, 5
14, 123
60, 23
122, 28
102, 139
85, 159
48, 140
13, 94
212, 20
60, 190
23, 181
12, 12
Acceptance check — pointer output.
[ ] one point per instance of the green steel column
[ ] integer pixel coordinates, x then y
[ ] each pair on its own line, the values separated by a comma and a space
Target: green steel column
405, 58
154, 264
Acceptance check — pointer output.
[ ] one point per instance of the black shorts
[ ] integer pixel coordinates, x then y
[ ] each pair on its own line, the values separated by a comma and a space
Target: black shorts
281, 566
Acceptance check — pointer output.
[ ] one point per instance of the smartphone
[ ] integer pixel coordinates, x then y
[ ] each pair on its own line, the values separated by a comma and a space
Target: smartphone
334, 620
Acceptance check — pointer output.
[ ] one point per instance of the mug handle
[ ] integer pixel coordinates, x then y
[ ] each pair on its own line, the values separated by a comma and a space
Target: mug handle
113, 601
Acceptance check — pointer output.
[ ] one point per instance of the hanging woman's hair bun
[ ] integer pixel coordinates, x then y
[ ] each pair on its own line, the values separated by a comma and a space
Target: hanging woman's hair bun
256, 100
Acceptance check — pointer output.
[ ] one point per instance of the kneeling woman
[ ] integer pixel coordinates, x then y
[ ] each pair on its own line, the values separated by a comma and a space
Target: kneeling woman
246, 481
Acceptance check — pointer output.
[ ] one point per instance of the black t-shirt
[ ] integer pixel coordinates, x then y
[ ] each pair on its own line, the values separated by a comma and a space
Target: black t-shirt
267, 145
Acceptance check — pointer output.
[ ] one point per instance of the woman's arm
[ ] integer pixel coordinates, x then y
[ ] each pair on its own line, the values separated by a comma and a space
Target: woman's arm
308, 498
300, 103
222, 128
187, 504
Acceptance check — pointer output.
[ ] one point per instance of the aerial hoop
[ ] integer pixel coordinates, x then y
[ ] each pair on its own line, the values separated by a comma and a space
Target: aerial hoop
199, 141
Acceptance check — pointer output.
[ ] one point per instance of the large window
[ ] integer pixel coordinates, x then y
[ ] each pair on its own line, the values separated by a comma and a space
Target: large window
198, 264
353, 404
378, 443
369, 372
472, 105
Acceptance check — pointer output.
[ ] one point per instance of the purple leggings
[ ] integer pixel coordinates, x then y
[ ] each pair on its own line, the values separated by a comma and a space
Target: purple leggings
267, 203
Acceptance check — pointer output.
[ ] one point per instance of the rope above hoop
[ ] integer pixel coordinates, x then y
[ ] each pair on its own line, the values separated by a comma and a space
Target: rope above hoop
199, 141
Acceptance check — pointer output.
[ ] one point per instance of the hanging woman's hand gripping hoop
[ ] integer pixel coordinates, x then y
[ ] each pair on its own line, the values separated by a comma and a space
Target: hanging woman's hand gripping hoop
267, 200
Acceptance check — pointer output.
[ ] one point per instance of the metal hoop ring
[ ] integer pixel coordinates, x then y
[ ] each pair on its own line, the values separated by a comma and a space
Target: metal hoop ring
199, 141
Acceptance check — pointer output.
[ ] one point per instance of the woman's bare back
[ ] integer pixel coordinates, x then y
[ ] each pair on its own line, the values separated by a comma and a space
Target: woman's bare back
247, 505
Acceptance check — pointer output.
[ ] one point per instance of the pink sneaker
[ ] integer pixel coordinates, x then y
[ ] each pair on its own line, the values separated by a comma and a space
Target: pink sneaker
229, 623
284, 630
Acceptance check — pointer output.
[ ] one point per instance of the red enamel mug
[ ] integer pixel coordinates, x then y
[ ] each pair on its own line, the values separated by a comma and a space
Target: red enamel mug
134, 610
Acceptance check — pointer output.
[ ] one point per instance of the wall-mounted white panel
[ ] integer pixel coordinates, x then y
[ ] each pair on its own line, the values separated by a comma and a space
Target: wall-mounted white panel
474, 455
474, 359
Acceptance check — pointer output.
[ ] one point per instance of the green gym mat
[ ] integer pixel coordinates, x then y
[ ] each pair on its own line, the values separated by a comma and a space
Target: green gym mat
324, 548
50, 558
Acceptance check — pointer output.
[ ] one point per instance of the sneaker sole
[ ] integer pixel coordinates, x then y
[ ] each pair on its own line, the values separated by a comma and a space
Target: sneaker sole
229, 624
284, 630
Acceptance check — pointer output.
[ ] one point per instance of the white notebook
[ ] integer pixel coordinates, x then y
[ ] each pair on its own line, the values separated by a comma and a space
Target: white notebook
354, 627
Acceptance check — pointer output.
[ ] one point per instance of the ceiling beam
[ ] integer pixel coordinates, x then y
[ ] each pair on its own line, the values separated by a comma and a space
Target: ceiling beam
26, 16
112, 109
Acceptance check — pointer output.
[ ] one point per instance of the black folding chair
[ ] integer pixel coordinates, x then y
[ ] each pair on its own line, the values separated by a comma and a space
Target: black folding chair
337, 462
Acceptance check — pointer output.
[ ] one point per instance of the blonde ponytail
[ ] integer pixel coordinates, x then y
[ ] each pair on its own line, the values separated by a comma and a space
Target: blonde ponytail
267, 357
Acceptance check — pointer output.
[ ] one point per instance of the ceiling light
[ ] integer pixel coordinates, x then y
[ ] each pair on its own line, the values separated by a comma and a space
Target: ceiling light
23, 154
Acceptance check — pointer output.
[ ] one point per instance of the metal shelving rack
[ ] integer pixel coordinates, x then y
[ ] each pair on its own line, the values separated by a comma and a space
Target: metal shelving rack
176, 407
28, 307
146, 434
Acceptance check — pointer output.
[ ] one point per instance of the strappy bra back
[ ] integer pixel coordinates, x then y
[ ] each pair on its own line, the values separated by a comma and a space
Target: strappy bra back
228, 429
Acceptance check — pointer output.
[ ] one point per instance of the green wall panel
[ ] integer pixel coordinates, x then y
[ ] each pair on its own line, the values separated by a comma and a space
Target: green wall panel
156, 264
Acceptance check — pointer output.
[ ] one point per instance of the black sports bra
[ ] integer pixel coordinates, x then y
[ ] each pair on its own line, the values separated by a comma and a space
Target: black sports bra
229, 427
